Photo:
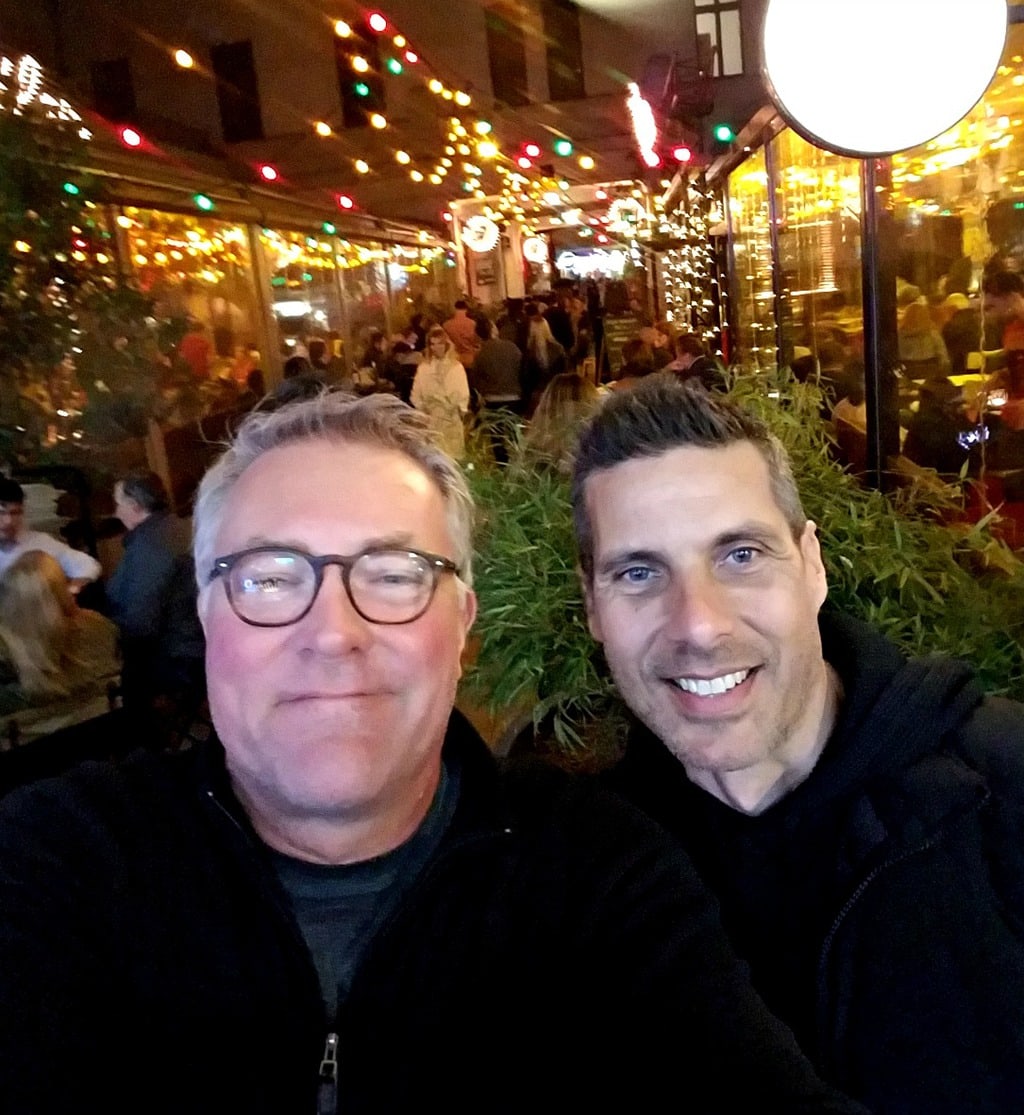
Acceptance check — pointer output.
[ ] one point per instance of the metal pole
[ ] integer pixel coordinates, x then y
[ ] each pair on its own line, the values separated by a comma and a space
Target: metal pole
881, 351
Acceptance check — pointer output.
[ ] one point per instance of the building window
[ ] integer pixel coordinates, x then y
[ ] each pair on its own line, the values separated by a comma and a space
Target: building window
564, 49
113, 91
238, 94
506, 55
360, 77
719, 22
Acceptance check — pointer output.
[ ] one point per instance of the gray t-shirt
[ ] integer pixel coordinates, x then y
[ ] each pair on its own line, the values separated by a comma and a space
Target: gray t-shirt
340, 908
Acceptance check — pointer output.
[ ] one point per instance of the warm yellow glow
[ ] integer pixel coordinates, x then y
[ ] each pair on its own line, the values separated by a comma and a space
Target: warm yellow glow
378, 121
359, 64
586, 162
447, 94
342, 29
403, 157
399, 41
22, 246
446, 162
322, 128
362, 166
463, 149
487, 149
434, 85
416, 175
102, 257
124, 222
482, 128
436, 179
141, 260
184, 59
463, 99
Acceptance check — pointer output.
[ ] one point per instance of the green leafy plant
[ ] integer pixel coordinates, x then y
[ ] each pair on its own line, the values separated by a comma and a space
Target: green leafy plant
935, 586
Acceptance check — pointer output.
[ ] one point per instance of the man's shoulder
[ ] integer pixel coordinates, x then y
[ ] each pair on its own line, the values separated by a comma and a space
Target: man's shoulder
96, 804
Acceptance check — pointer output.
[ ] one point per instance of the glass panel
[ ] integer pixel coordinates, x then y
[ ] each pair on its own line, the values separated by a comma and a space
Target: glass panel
818, 212
423, 281
707, 25
304, 294
958, 205
364, 286
753, 326
732, 44
198, 268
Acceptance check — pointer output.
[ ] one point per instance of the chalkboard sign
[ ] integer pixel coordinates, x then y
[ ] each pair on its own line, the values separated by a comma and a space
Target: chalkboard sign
618, 329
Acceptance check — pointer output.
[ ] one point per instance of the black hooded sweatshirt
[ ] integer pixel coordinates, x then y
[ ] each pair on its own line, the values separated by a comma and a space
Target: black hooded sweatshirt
880, 904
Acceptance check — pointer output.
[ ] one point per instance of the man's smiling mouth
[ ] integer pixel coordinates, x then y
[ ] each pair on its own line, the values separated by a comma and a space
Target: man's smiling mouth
710, 687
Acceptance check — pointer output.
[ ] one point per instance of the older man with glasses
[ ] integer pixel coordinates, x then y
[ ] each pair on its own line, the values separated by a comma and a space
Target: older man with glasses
341, 903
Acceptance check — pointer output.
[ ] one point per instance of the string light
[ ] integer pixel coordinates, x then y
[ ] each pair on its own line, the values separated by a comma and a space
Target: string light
377, 22
362, 166
378, 121
322, 128
403, 157
184, 59
130, 137
342, 29
586, 162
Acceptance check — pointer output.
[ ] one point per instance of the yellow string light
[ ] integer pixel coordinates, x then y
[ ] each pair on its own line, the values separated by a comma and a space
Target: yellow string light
403, 157
378, 121
322, 128
362, 166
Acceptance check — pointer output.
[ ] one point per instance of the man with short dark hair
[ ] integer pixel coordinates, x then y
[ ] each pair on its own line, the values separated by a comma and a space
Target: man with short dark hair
860, 817
79, 567
152, 595
693, 362
341, 903
461, 330
1004, 302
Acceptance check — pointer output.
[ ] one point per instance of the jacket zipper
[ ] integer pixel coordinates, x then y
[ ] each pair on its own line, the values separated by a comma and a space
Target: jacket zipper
825, 1046
327, 1088
328, 1076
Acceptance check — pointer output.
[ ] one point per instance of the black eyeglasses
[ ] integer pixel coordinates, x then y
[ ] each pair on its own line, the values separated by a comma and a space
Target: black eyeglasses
269, 586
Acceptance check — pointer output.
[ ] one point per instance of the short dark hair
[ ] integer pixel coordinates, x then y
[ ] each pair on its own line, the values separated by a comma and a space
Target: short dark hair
1000, 283
146, 489
11, 491
662, 413
687, 344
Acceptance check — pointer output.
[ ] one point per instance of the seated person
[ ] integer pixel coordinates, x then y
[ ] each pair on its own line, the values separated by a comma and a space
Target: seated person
58, 662
933, 433
564, 405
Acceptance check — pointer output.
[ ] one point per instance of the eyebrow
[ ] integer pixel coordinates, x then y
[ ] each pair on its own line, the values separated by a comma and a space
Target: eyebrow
402, 540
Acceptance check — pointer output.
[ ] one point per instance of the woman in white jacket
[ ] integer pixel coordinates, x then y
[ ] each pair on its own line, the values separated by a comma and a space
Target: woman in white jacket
441, 391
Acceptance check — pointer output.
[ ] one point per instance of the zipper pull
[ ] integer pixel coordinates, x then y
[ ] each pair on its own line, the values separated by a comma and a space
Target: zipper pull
327, 1090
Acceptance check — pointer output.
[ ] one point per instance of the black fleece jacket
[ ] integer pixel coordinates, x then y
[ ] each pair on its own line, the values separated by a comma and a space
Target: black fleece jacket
880, 904
557, 954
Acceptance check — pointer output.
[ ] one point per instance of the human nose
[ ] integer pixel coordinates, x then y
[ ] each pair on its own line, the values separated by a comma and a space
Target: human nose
333, 624
699, 610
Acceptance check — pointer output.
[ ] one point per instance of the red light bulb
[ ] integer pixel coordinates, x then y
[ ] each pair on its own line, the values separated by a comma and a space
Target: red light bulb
130, 137
268, 173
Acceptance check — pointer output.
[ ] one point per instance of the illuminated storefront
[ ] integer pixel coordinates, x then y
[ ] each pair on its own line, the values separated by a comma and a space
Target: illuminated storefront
955, 208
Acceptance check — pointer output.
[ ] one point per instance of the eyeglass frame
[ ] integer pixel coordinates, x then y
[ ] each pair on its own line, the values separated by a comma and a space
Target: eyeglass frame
437, 564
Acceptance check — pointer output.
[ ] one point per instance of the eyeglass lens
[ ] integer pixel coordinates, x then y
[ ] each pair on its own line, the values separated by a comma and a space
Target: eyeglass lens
275, 587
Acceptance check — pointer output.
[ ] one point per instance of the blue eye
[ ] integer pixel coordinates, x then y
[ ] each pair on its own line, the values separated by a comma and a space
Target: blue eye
742, 555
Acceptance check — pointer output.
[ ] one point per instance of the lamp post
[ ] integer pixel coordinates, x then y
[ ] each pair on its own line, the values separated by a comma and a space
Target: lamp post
868, 79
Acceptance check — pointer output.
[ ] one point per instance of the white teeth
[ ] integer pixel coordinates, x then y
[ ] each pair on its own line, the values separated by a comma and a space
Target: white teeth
705, 687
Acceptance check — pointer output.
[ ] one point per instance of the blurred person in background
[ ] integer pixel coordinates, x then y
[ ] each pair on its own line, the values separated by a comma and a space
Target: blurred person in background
80, 568
152, 595
567, 401
58, 662
441, 390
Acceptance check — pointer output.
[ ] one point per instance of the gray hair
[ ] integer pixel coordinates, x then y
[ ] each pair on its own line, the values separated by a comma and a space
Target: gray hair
662, 413
381, 421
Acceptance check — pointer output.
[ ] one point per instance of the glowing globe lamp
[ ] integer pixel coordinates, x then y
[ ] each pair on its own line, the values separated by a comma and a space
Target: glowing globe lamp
874, 77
